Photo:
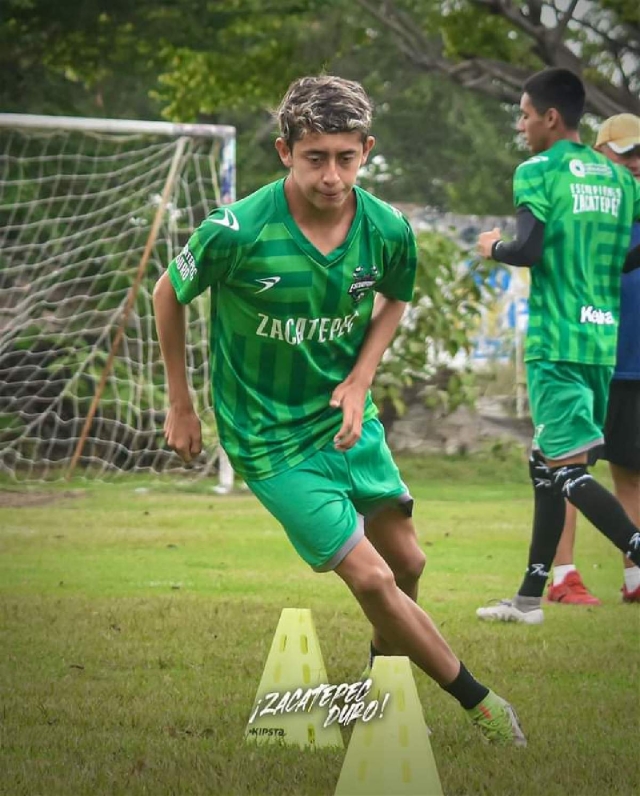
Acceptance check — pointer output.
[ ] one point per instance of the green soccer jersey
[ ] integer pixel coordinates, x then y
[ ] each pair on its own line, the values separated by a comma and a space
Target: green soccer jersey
287, 322
587, 205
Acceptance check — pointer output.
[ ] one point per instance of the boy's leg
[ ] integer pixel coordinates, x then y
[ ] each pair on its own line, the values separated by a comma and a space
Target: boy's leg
569, 479
549, 515
627, 488
395, 615
626, 483
548, 521
622, 449
312, 503
392, 534
380, 495
566, 545
562, 398
598, 505
567, 586
410, 631
622, 433
225, 474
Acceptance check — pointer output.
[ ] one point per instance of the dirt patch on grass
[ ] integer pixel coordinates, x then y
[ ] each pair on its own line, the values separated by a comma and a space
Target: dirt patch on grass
17, 499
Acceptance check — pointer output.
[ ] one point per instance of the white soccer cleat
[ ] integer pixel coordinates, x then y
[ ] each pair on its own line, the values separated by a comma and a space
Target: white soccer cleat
506, 611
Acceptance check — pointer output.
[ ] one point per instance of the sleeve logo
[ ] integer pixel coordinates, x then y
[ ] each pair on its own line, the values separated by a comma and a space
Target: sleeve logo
186, 264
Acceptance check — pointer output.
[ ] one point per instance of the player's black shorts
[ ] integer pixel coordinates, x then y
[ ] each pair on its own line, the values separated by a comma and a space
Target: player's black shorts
622, 426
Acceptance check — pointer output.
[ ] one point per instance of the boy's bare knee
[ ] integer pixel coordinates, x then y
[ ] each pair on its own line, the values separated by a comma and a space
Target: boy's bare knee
374, 580
415, 565
409, 567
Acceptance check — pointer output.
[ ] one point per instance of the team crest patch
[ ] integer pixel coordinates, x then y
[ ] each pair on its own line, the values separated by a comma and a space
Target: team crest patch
364, 278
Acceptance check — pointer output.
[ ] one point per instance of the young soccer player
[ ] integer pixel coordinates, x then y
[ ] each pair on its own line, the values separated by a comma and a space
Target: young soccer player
574, 214
619, 140
309, 277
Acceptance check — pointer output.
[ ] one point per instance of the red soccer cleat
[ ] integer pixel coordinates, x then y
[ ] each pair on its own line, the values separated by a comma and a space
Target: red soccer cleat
630, 596
572, 591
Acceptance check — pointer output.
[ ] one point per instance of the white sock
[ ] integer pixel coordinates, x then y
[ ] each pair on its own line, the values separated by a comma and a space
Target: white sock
632, 578
561, 572
225, 473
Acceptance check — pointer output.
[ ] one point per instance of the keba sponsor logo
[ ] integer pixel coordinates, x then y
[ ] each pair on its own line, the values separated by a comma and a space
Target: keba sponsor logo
599, 317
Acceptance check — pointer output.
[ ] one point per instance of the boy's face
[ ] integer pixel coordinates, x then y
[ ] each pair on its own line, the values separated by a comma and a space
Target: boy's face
534, 127
324, 166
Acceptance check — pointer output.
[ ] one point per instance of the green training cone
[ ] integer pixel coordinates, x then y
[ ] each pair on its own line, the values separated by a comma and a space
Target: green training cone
390, 755
294, 666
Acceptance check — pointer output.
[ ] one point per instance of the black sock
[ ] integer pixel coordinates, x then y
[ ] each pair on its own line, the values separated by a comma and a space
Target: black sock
600, 507
373, 653
466, 689
548, 522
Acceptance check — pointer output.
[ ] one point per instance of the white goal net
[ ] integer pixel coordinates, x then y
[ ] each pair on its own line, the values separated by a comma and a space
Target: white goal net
91, 213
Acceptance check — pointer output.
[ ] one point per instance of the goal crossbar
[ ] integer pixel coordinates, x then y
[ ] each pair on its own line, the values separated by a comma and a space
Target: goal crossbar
124, 126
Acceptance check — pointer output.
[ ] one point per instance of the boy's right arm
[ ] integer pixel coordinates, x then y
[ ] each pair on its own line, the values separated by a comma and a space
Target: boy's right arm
182, 425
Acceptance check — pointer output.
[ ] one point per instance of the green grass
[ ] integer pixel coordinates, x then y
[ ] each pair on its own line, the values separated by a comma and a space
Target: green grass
135, 625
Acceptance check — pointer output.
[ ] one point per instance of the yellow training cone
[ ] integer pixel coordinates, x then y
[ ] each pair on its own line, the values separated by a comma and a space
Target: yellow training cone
391, 755
285, 709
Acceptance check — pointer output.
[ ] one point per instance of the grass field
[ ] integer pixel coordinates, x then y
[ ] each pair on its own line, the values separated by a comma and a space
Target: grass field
136, 617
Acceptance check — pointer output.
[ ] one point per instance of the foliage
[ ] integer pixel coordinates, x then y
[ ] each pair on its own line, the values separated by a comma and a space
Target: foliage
492, 46
231, 60
181, 61
444, 78
449, 296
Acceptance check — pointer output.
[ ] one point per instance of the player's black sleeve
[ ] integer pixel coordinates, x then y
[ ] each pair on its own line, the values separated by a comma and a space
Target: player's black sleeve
632, 260
526, 249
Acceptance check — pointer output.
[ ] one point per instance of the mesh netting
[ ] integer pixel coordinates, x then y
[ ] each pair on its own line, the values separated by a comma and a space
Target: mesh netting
76, 211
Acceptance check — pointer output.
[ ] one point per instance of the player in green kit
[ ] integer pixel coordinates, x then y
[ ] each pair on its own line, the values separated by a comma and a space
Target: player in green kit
309, 278
575, 209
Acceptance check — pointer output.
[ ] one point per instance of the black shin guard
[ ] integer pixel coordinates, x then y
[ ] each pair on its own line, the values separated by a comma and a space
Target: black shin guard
599, 506
548, 522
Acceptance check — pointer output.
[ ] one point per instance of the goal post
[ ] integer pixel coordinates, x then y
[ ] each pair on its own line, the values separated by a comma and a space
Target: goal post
91, 213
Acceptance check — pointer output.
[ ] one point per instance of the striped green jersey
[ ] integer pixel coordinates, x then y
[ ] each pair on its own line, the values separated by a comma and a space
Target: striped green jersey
287, 322
587, 205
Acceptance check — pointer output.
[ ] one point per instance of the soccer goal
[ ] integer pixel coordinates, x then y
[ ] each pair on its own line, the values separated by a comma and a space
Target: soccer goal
91, 213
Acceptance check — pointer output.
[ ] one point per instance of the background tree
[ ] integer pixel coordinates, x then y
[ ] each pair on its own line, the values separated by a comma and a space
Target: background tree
492, 46
230, 61
439, 144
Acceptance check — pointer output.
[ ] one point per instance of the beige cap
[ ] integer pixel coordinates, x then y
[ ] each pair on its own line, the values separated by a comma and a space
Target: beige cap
621, 133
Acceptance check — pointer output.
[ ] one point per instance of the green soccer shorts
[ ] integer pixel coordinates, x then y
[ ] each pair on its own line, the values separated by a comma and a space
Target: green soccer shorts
568, 403
323, 501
